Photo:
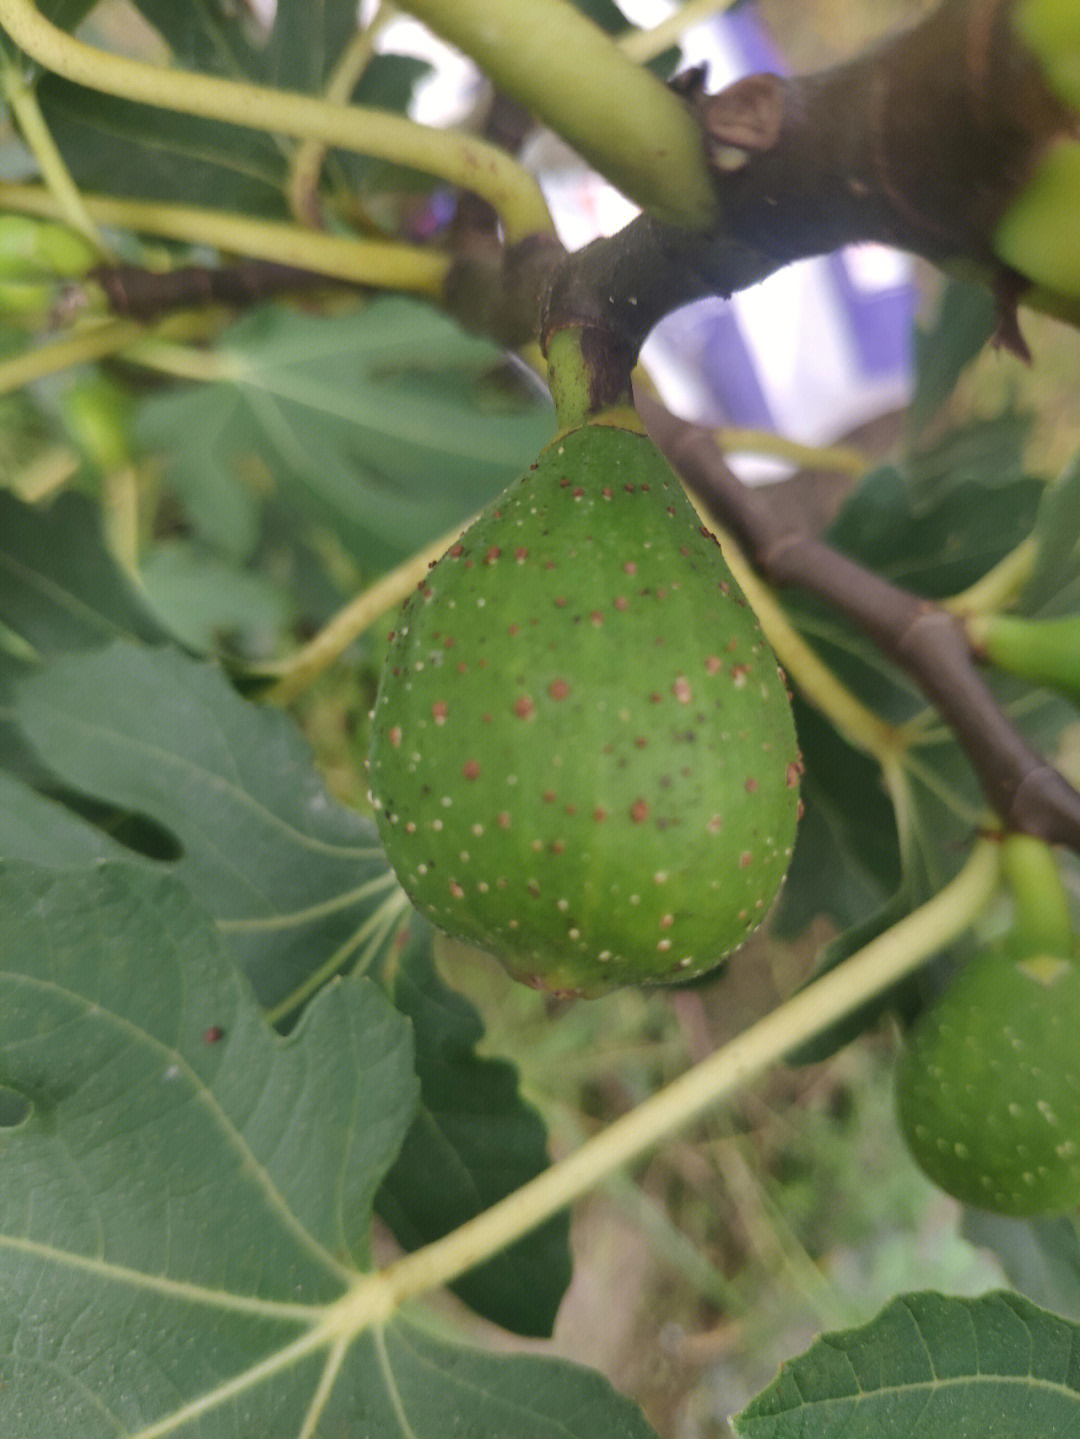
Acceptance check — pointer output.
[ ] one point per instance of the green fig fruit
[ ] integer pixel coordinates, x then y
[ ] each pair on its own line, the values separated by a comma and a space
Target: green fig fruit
33, 249
988, 1089
1045, 651
96, 412
1037, 234
1051, 28
583, 753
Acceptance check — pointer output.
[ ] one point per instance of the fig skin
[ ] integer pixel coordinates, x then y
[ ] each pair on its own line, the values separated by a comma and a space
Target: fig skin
583, 754
988, 1090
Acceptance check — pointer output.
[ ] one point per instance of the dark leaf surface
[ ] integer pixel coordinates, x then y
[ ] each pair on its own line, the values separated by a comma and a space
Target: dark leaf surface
966, 319
473, 1142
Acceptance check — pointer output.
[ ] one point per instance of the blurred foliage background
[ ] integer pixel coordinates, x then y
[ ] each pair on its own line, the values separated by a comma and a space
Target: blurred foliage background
799, 1209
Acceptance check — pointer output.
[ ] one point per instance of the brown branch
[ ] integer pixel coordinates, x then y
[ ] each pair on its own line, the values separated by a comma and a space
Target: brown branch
144, 294
920, 637
921, 143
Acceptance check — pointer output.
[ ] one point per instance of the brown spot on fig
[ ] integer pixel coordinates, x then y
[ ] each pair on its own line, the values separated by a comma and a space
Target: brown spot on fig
681, 690
751, 786
439, 711
559, 689
524, 707
470, 769
639, 811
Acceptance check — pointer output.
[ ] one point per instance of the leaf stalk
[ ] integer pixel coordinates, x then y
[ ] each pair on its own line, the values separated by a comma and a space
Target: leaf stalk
872, 971
459, 160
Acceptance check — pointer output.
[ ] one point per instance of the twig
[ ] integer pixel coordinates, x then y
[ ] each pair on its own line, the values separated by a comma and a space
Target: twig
143, 294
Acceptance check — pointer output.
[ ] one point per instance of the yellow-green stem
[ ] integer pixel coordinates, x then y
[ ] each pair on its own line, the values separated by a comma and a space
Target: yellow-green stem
457, 159
621, 118
46, 474
1042, 917
860, 726
1000, 586
870, 972
120, 498
55, 173
308, 161
305, 666
645, 45
839, 459
385, 264
108, 338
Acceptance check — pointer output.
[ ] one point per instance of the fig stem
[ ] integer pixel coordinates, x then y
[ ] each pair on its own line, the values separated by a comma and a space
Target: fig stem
588, 374
1042, 918
387, 264
460, 160
870, 972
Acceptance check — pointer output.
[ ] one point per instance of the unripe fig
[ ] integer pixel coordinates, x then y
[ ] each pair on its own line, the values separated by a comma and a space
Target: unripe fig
1051, 28
1045, 651
583, 753
1037, 234
97, 415
989, 1087
42, 249
27, 297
